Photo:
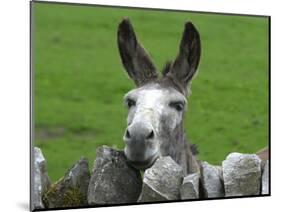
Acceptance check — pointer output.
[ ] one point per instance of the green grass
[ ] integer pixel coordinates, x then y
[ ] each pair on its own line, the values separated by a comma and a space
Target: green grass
80, 82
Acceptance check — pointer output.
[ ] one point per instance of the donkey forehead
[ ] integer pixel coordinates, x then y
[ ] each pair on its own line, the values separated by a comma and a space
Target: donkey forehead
155, 94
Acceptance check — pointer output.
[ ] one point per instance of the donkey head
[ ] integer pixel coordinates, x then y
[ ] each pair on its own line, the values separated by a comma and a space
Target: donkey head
157, 105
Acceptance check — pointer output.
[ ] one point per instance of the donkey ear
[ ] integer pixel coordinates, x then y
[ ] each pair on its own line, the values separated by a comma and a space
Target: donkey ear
186, 63
134, 58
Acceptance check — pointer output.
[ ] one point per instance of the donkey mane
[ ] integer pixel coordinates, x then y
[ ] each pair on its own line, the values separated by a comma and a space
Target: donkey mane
167, 80
166, 68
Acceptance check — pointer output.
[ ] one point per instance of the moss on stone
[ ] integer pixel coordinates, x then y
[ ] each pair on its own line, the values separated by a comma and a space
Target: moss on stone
50, 194
57, 196
73, 197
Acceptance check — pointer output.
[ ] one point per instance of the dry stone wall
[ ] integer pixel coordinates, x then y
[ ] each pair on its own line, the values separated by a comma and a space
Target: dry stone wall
114, 181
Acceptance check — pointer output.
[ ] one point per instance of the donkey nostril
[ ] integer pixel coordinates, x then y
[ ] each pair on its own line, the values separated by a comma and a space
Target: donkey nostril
128, 134
151, 135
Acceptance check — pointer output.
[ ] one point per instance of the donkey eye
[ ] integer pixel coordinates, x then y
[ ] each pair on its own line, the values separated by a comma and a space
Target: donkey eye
130, 103
179, 106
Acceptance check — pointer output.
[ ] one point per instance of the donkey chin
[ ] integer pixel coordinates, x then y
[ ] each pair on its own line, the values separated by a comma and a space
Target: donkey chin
138, 161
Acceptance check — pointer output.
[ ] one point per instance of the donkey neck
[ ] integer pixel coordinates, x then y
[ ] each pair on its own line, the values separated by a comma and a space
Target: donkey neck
174, 145
177, 147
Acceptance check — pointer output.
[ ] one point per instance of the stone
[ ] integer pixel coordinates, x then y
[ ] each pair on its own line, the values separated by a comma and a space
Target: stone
242, 174
113, 180
71, 190
211, 177
265, 180
190, 187
162, 181
41, 180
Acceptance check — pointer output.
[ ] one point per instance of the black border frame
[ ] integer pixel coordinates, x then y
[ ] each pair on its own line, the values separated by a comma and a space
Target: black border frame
31, 93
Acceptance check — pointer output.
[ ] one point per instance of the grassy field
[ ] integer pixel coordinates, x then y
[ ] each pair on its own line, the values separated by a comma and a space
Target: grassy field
80, 82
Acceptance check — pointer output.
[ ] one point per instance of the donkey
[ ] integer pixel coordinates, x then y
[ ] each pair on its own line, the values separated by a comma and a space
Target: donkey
156, 107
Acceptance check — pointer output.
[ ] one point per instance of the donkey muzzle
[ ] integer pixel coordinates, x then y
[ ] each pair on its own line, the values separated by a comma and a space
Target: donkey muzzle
141, 149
